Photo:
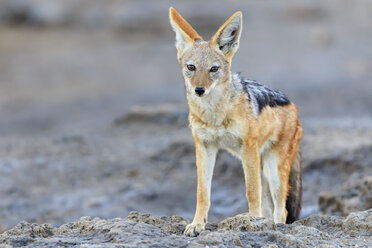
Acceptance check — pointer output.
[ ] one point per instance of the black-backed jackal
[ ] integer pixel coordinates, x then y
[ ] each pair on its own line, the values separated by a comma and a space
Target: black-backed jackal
257, 124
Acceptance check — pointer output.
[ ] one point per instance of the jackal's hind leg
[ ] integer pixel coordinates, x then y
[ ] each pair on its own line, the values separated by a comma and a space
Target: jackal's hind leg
278, 181
267, 203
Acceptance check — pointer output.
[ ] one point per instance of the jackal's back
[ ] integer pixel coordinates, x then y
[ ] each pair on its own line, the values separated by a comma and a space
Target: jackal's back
261, 95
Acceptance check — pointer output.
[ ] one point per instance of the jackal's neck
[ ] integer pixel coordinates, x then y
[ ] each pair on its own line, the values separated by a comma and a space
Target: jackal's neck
214, 108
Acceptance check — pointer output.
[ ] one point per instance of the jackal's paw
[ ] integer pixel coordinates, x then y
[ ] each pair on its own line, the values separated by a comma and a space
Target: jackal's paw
194, 229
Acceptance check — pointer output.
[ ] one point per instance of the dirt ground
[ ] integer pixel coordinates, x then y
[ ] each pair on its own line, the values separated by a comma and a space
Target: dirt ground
73, 142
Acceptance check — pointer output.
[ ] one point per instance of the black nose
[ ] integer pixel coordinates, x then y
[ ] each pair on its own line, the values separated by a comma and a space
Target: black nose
199, 90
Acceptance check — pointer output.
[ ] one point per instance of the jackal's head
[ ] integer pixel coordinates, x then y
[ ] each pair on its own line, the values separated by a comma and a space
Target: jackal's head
206, 64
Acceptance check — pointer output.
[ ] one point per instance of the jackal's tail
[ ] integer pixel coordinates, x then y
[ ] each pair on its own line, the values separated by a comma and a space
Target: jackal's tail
294, 198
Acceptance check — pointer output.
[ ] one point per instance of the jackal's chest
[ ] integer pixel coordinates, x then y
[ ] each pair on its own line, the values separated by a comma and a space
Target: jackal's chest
228, 138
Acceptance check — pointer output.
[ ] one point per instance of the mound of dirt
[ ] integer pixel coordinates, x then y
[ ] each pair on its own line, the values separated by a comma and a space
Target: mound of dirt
349, 188
352, 197
145, 230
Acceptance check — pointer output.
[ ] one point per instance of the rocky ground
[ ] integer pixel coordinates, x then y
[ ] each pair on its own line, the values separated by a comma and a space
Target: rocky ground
145, 230
94, 123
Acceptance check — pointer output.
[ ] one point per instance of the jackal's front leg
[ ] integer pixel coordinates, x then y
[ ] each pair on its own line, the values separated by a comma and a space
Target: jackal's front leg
252, 172
205, 160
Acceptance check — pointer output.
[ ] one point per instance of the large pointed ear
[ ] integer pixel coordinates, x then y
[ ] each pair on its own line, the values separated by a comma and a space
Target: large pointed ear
185, 34
227, 37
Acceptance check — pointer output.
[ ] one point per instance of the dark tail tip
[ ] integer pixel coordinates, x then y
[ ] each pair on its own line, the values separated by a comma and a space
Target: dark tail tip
294, 199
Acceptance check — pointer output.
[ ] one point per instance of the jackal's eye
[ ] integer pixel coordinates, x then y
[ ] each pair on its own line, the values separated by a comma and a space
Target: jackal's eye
214, 68
191, 67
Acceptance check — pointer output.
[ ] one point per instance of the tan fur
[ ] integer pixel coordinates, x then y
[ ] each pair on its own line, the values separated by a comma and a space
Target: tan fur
223, 119
183, 25
185, 29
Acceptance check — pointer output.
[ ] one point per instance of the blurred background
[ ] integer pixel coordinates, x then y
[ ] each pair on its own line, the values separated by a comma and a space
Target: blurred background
93, 109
